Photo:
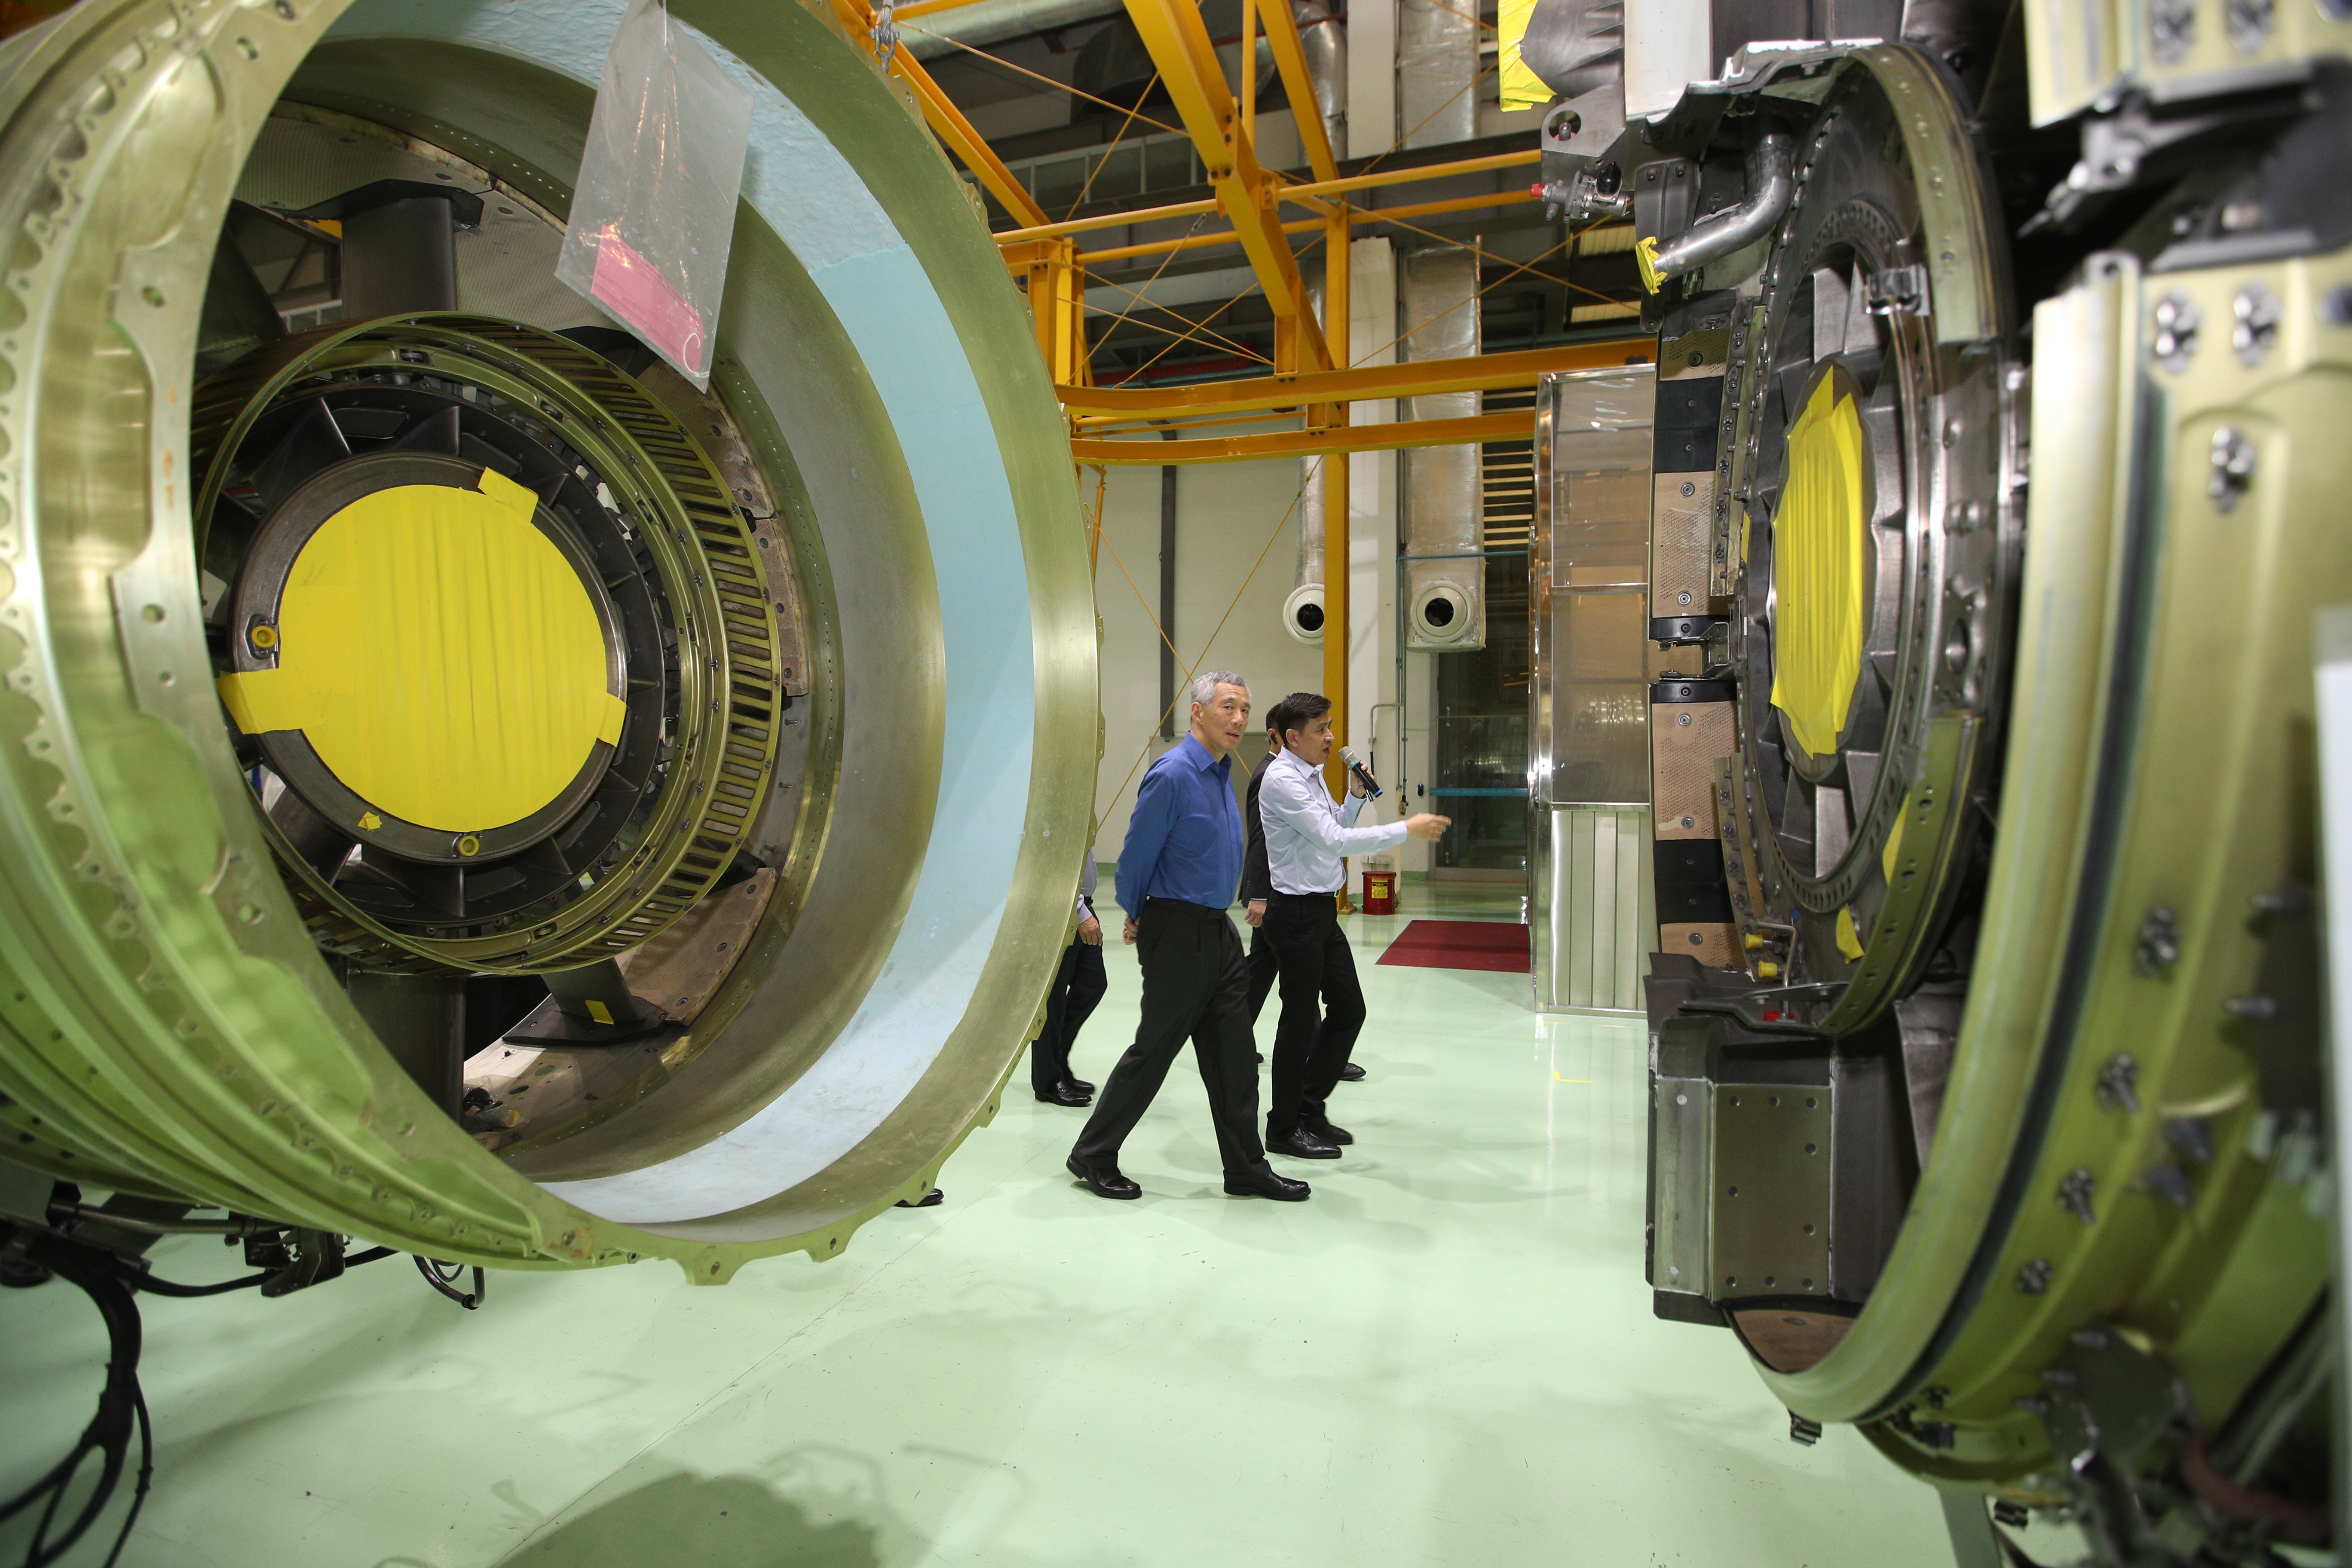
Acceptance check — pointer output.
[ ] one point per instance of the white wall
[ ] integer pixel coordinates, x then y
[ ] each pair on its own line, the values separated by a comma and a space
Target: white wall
1225, 514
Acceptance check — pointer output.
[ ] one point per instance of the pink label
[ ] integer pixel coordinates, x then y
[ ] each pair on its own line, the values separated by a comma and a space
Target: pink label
638, 292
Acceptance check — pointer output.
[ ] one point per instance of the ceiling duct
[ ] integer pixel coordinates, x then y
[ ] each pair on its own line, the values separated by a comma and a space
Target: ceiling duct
1324, 38
1445, 600
1437, 61
1302, 610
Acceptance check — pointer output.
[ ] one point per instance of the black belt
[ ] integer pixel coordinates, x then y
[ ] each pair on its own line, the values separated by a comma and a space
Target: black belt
1183, 906
1301, 898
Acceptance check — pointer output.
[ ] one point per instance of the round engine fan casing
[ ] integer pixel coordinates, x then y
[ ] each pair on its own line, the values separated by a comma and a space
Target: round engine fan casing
171, 1027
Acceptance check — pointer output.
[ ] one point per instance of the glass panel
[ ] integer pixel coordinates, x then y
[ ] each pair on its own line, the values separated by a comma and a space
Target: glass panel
1600, 697
1481, 732
1057, 183
1600, 530
1121, 176
1169, 163
1608, 403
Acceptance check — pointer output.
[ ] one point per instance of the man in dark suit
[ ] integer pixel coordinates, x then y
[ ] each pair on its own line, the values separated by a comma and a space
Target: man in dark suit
1078, 987
1256, 886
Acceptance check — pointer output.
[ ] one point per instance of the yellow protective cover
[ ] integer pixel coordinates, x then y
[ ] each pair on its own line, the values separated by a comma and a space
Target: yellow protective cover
1817, 570
440, 654
1520, 87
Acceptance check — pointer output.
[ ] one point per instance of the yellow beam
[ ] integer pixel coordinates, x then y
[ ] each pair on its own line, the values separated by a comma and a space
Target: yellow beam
1249, 71
1303, 226
1408, 176
948, 124
1393, 437
1105, 220
1179, 44
1189, 242
1299, 86
1302, 194
1057, 308
1477, 373
1338, 311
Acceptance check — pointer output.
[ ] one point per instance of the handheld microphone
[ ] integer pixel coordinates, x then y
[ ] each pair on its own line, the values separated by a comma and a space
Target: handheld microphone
1363, 774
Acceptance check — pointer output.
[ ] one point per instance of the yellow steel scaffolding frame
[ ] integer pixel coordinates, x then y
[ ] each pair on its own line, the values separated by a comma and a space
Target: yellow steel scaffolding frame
1311, 377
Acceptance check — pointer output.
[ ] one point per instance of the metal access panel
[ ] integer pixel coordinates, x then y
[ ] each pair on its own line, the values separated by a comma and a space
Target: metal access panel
1593, 914
1768, 1190
1681, 1115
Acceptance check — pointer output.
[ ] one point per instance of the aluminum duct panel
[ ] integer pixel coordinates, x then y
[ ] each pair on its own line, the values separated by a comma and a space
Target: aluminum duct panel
1437, 61
1446, 598
1324, 39
1302, 609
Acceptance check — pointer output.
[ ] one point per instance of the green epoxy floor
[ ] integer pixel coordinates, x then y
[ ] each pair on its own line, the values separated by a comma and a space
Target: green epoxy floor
1446, 1357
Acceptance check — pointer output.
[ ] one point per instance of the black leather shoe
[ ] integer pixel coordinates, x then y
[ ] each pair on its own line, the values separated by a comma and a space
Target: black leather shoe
1338, 1137
1104, 1182
929, 1200
1351, 1073
1067, 1092
1262, 1182
1081, 1085
1302, 1145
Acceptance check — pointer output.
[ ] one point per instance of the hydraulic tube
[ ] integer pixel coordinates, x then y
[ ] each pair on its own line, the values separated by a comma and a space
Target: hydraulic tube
1771, 183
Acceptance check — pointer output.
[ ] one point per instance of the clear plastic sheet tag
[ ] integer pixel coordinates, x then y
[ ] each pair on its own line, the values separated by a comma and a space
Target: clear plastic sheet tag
654, 215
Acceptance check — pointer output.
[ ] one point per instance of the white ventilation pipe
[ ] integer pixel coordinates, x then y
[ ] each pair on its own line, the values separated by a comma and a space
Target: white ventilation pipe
1302, 611
1324, 39
1437, 61
1446, 598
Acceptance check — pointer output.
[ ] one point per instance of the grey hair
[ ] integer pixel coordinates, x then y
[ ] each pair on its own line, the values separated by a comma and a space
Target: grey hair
1206, 684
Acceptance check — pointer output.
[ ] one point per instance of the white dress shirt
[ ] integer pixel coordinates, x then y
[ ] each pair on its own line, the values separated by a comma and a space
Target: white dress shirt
1308, 833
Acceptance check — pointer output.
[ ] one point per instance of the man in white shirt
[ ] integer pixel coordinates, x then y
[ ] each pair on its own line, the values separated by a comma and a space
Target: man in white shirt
1308, 836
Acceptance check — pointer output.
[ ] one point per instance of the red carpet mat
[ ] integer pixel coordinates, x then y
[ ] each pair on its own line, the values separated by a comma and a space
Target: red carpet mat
1462, 945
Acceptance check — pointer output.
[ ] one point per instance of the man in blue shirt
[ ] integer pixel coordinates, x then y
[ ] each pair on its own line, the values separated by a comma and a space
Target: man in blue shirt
1177, 872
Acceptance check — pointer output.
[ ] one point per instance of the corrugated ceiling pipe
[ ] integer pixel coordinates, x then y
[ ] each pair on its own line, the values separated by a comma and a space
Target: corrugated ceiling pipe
1324, 39
1446, 598
1302, 612
993, 21
1437, 60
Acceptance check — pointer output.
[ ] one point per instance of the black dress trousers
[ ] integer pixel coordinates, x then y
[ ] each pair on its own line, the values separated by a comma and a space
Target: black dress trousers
1195, 987
1263, 968
1322, 1007
1078, 986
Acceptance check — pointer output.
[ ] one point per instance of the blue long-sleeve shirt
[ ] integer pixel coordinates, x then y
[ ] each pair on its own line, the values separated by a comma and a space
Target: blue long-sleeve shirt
1184, 836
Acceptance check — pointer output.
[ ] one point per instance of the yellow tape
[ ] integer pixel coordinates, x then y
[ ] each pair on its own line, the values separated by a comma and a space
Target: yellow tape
440, 654
1849, 940
1645, 257
1817, 570
1895, 842
1519, 88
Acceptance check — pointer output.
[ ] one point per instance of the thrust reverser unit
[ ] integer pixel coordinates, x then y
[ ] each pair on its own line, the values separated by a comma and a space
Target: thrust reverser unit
462, 786
2005, 359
